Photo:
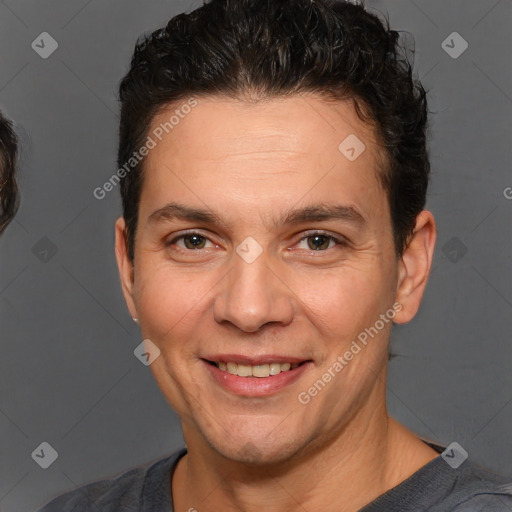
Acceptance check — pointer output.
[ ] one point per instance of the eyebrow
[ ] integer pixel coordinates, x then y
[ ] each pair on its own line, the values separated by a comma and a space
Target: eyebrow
312, 213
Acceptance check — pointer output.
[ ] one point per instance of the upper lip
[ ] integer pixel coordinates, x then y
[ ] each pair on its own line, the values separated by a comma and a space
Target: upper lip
254, 360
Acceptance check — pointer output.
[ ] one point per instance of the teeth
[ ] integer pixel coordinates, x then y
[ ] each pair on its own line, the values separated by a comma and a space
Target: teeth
244, 370
260, 370
275, 368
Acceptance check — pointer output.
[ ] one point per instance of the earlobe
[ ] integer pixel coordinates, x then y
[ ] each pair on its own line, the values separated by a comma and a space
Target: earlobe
125, 266
414, 267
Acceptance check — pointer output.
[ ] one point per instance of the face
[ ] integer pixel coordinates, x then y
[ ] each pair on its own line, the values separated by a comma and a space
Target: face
289, 260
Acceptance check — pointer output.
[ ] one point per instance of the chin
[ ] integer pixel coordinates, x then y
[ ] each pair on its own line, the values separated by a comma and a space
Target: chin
255, 451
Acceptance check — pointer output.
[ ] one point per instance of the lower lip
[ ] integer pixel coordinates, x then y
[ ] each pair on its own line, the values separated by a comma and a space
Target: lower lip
256, 386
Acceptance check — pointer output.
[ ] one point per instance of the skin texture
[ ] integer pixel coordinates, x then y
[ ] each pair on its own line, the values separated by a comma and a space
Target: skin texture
250, 163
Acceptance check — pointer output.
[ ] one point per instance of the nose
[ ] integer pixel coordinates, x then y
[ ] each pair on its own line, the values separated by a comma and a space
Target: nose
252, 295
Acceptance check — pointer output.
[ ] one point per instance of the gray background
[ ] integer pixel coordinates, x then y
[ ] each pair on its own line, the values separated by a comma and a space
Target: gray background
68, 375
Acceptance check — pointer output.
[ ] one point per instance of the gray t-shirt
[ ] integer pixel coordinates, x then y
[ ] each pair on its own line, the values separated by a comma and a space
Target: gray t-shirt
436, 487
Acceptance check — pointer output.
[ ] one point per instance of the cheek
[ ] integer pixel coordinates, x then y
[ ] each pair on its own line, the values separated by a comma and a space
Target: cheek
168, 301
344, 302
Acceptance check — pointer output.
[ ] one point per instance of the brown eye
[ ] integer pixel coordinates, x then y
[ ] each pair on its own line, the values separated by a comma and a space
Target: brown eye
194, 241
191, 242
318, 242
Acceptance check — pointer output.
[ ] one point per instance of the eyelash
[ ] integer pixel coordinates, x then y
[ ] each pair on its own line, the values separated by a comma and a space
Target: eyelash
339, 241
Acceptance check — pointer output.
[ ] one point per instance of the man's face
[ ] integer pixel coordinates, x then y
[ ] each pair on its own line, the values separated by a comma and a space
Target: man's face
252, 287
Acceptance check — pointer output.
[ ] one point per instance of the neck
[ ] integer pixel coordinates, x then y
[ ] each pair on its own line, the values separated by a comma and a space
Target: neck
368, 457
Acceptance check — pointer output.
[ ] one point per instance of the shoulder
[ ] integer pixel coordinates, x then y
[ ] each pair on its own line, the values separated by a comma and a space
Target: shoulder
466, 488
439, 487
124, 492
105, 495
480, 490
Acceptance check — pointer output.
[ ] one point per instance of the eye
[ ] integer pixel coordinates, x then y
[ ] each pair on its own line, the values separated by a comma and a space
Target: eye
319, 241
315, 241
191, 241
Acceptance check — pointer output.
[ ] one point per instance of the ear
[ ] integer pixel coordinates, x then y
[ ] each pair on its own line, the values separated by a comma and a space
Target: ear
125, 266
414, 267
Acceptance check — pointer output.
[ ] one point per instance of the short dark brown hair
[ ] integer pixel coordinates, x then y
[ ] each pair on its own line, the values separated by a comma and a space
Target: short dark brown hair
9, 198
276, 48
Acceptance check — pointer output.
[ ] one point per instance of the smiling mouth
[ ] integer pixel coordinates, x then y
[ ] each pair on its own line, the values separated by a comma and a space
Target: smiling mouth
258, 371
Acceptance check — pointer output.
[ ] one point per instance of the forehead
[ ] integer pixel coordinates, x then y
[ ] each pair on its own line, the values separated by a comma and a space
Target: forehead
302, 123
301, 145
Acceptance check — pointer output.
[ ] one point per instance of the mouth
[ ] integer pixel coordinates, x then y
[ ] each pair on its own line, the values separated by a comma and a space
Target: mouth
255, 377
259, 371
